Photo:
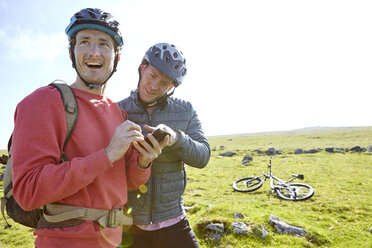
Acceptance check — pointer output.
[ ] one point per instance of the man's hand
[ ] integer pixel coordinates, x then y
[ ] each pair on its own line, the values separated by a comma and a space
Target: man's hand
147, 152
173, 135
125, 134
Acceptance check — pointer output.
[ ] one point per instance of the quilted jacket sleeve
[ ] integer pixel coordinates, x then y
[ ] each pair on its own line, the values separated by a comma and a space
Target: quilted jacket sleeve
192, 146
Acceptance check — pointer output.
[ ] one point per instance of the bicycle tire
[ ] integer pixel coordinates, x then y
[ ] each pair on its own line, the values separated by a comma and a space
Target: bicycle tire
302, 192
247, 184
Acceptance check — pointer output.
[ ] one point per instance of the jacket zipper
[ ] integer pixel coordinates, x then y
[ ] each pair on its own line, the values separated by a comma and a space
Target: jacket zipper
152, 180
150, 119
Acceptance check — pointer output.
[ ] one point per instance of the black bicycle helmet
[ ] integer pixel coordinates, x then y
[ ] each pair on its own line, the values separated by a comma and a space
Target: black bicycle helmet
91, 18
169, 60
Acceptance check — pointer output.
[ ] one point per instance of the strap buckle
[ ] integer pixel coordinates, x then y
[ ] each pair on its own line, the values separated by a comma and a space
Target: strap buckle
115, 217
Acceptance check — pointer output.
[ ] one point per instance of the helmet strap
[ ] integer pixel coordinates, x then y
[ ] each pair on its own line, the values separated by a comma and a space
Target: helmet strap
162, 101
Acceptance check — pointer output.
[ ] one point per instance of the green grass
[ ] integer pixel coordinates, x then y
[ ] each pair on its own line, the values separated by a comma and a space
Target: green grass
338, 215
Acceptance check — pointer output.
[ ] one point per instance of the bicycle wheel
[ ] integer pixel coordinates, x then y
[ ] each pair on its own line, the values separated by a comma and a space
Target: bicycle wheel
247, 184
295, 192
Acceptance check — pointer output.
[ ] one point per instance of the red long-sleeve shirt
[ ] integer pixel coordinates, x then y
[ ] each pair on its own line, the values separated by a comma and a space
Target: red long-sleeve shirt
89, 179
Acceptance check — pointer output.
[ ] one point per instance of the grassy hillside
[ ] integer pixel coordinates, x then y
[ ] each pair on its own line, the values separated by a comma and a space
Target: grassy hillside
338, 215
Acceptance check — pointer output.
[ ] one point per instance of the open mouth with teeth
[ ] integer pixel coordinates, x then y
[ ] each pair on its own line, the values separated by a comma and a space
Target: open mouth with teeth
93, 65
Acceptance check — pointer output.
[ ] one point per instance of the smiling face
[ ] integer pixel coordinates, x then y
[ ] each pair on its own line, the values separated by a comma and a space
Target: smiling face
153, 84
94, 55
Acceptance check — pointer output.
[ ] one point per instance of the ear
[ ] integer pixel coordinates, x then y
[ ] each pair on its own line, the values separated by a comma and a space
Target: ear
142, 66
69, 52
70, 55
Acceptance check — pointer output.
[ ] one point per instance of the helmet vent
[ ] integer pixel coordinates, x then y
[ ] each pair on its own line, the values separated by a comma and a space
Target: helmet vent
167, 59
92, 14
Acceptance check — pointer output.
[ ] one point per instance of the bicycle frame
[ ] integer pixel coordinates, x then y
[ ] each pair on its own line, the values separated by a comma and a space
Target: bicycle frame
280, 183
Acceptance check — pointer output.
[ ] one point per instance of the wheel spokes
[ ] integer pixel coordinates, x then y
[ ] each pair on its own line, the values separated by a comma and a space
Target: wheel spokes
290, 192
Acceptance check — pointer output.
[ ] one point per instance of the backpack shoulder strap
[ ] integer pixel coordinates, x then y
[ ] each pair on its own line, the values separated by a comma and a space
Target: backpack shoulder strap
71, 111
123, 113
71, 114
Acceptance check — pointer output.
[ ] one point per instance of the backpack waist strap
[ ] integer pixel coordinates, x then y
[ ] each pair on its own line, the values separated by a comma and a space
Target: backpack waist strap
55, 212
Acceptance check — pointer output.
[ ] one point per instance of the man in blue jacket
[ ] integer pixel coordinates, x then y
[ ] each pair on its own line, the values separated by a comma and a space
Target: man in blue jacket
158, 212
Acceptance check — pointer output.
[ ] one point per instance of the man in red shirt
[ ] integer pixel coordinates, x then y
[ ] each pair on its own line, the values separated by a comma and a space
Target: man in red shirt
102, 163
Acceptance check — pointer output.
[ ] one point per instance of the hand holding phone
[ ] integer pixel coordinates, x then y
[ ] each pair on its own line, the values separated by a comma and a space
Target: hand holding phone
158, 134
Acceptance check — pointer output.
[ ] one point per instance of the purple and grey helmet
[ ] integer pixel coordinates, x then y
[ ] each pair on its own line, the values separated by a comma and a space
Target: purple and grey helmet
91, 18
169, 60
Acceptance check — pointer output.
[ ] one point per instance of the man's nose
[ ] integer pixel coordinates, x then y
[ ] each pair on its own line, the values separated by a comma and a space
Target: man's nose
94, 51
155, 84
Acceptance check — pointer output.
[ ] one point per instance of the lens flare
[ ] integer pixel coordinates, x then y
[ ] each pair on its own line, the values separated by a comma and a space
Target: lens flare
127, 240
129, 211
143, 189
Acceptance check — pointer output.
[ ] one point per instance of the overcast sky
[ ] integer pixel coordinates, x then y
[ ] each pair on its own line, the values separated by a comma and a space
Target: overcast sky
253, 66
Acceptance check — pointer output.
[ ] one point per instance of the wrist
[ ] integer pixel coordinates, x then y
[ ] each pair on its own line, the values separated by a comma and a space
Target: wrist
174, 139
143, 164
109, 155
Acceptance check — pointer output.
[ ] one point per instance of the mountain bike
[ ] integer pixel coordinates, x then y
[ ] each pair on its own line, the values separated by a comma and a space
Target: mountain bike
285, 191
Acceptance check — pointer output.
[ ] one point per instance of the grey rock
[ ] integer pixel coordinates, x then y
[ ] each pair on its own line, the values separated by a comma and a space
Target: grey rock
259, 151
356, 149
227, 154
216, 227
270, 151
240, 228
247, 159
330, 149
284, 228
311, 151
238, 216
299, 151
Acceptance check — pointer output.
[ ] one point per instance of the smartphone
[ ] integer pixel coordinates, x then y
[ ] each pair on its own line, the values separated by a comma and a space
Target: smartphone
158, 134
